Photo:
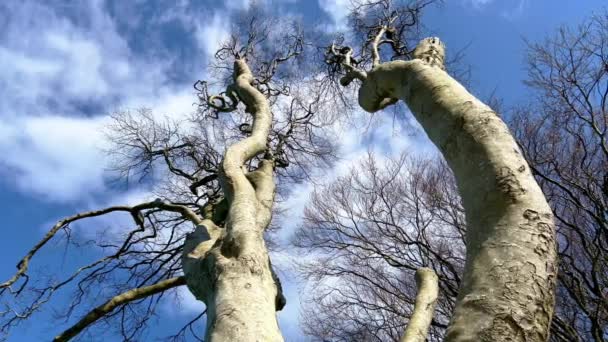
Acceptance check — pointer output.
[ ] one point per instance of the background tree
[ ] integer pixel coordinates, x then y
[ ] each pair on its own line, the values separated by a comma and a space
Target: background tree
217, 175
370, 230
565, 139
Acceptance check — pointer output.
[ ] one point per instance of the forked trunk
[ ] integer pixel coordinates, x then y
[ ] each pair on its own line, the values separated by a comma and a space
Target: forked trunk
238, 291
228, 268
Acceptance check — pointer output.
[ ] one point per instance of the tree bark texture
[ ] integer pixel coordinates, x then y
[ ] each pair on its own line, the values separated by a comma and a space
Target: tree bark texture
507, 291
229, 268
426, 299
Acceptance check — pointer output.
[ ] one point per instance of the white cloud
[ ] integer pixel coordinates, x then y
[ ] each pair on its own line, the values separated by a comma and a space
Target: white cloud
52, 156
515, 11
211, 35
169, 103
479, 3
210, 32
508, 9
53, 71
51, 67
52, 62
379, 135
240, 4
338, 10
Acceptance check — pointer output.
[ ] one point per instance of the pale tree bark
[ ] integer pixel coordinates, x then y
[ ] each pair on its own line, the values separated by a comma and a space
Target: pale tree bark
507, 290
428, 291
234, 277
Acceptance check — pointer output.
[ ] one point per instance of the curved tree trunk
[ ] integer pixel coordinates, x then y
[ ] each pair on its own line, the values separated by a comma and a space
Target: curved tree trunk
507, 291
229, 268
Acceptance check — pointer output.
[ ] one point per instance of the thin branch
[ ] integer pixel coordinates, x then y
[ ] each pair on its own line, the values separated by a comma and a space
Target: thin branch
200, 182
125, 297
375, 53
23, 265
188, 326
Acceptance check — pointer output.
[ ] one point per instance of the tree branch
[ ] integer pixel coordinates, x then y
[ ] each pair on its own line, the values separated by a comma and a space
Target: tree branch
22, 266
263, 183
344, 56
240, 152
125, 297
428, 289
200, 182
375, 43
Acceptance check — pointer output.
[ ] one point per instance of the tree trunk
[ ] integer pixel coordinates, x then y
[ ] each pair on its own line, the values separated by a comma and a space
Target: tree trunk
229, 268
507, 290
239, 292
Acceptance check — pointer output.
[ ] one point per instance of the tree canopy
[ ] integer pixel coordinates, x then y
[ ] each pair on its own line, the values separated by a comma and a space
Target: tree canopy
375, 240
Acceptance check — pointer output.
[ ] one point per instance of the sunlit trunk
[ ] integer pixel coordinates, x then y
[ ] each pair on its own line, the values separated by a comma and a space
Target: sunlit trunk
228, 268
507, 290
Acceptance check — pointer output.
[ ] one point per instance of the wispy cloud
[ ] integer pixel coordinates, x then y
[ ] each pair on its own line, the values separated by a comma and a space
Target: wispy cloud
380, 135
59, 80
479, 3
214, 33
61, 77
515, 11
53, 157
337, 10
508, 9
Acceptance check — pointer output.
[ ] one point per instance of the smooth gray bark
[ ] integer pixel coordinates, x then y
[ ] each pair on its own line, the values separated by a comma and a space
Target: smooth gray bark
507, 290
229, 268
420, 322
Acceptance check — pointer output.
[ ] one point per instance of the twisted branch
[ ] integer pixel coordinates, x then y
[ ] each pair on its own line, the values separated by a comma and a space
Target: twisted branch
240, 152
344, 57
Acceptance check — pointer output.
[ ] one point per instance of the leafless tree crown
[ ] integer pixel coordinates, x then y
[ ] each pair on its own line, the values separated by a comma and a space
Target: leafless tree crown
565, 138
182, 158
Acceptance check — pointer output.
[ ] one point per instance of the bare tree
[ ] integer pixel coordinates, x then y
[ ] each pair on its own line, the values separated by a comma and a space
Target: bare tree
217, 176
508, 284
565, 139
370, 231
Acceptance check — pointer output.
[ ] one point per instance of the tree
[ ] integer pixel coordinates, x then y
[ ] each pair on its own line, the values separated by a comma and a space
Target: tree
565, 139
409, 203
508, 284
370, 231
217, 176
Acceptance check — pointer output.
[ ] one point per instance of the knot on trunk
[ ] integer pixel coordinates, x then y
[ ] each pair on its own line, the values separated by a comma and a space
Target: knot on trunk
196, 247
373, 93
431, 51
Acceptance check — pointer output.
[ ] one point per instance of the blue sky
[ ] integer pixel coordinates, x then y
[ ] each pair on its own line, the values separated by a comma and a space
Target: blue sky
65, 65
